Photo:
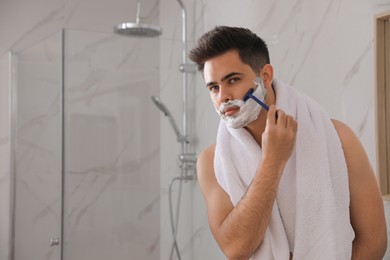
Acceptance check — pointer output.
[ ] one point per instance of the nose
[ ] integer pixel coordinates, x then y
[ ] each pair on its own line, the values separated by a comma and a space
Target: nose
224, 95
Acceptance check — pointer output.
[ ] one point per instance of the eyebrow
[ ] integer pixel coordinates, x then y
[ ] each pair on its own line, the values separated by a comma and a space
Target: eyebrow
224, 78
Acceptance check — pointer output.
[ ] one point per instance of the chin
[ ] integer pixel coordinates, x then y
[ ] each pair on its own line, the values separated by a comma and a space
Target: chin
236, 125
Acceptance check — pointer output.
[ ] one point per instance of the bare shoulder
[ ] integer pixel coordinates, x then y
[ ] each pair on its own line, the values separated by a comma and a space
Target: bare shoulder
207, 154
345, 132
359, 168
354, 152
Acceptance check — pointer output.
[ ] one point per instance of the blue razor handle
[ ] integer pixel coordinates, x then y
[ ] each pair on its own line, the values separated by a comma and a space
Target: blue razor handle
249, 95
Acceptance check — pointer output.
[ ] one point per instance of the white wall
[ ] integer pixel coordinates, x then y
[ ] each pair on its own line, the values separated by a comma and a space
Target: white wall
5, 177
323, 48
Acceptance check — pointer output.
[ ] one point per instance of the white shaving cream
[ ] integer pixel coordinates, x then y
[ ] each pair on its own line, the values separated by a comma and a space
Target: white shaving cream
248, 111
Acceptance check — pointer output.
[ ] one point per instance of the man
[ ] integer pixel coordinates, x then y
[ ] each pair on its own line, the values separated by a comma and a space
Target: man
284, 183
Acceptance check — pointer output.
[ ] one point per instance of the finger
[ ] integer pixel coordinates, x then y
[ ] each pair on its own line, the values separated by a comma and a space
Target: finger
271, 116
281, 117
295, 126
289, 121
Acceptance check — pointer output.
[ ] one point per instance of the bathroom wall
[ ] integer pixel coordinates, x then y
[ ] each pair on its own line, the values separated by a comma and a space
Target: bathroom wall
5, 177
323, 48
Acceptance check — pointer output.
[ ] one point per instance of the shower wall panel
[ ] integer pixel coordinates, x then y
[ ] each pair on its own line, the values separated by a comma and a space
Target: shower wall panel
38, 150
5, 180
87, 148
112, 169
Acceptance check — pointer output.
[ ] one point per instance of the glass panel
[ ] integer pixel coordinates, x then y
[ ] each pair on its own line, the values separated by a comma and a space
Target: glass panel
38, 150
112, 176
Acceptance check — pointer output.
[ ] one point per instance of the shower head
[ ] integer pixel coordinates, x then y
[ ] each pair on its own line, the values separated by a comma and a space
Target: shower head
160, 105
180, 138
138, 29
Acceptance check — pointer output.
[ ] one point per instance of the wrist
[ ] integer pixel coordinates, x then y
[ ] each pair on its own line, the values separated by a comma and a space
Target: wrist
271, 165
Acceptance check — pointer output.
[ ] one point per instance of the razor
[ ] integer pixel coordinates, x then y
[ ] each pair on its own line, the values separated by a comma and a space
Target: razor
249, 95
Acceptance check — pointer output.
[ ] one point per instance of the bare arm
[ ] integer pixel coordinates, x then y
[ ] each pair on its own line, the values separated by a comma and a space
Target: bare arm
366, 207
239, 230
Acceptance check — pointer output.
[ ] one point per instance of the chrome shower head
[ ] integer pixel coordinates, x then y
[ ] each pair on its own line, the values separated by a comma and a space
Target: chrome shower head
138, 29
160, 105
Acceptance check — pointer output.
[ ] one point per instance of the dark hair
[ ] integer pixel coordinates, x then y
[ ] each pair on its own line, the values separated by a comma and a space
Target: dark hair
251, 48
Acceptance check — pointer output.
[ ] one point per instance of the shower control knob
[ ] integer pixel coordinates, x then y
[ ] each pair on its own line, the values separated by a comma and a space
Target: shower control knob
188, 157
54, 241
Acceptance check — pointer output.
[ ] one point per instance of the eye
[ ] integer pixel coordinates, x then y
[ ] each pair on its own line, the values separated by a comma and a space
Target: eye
234, 80
213, 88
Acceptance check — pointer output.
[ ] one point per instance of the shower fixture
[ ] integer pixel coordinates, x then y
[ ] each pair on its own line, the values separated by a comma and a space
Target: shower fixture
179, 137
138, 29
187, 160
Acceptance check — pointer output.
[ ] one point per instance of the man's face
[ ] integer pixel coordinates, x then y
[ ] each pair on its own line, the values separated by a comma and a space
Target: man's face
228, 78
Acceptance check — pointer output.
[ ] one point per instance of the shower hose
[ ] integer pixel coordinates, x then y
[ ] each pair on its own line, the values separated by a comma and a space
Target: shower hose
175, 222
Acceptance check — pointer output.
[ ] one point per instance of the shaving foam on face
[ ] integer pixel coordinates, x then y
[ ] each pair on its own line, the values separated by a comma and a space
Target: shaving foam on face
248, 111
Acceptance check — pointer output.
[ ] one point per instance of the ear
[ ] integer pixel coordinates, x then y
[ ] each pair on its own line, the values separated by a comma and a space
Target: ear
267, 75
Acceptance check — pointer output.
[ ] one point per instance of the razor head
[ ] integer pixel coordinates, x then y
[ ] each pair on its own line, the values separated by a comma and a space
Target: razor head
248, 94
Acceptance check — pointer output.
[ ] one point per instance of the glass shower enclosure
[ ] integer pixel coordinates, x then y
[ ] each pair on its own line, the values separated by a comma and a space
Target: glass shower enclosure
86, 156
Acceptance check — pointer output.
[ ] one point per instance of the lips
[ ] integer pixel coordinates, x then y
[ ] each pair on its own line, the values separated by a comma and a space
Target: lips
229, 111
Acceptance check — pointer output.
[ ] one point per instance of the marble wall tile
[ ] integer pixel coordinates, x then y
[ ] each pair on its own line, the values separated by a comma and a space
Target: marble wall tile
25, 22
38, 150
112, 183
5, 158
87, 14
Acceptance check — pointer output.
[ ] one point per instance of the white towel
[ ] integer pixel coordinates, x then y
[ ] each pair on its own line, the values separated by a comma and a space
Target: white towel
310, 216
